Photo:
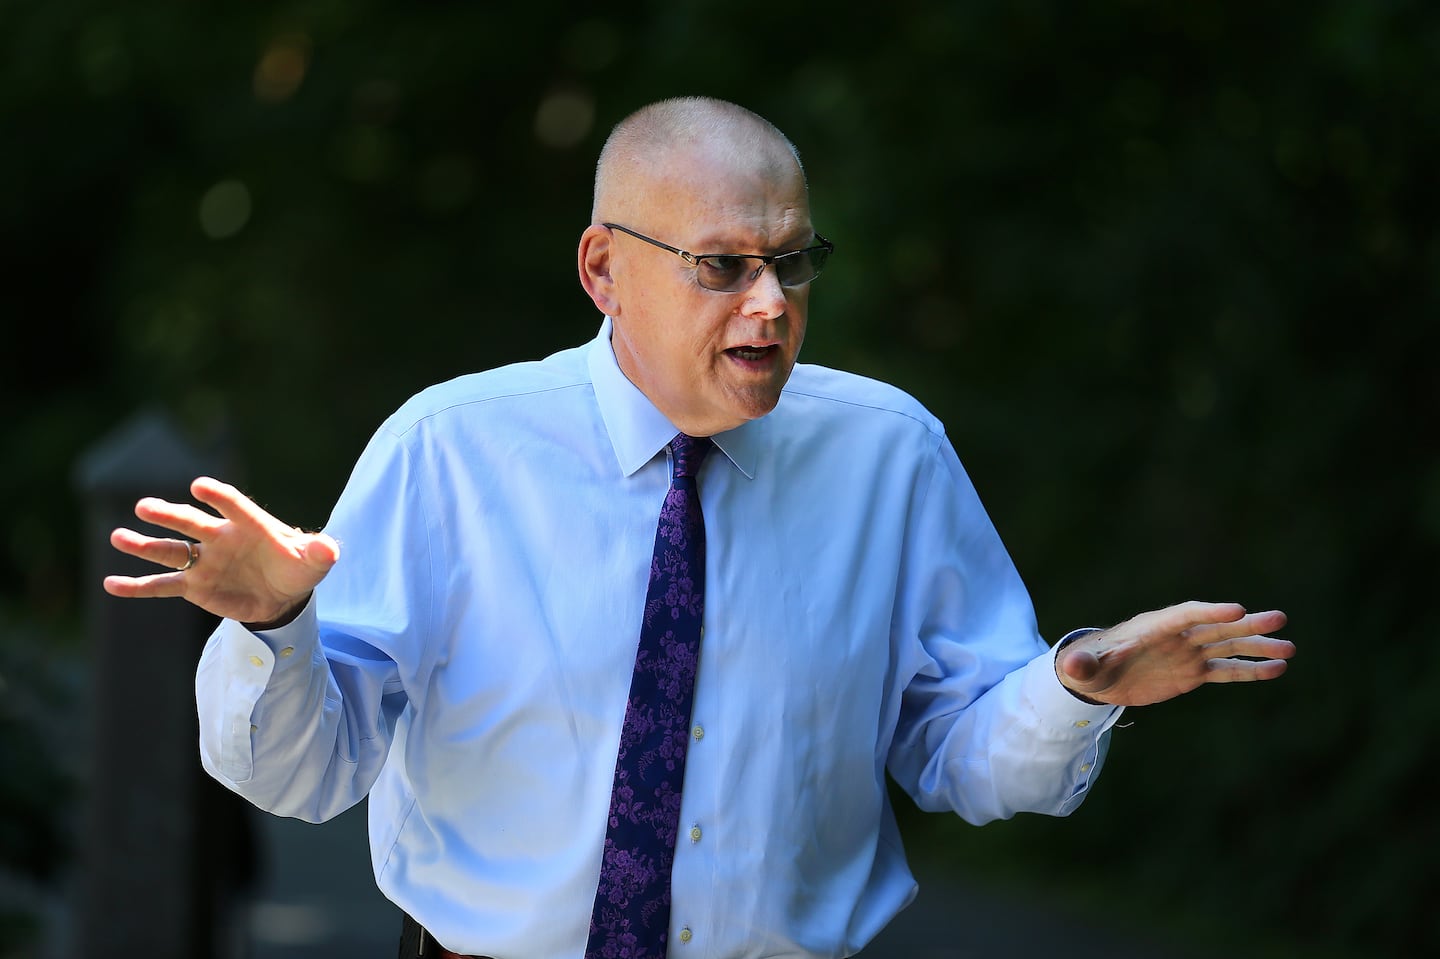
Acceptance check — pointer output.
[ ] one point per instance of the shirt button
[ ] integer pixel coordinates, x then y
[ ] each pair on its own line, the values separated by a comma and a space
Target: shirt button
287, 651
1085, 768
686, 935
256, 661
1082, 723
695, 834
698, 732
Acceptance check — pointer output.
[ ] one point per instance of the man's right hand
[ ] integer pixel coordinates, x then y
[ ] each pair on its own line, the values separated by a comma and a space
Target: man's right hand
249, 566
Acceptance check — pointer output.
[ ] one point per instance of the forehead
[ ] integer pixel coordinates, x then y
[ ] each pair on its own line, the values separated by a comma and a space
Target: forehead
730, 200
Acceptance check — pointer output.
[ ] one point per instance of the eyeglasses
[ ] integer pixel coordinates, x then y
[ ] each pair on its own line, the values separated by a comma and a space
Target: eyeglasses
734, 272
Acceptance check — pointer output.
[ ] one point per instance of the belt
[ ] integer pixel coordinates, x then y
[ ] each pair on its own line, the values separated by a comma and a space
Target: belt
417, 943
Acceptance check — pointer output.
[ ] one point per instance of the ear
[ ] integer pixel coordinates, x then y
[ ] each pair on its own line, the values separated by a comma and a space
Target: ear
595, 276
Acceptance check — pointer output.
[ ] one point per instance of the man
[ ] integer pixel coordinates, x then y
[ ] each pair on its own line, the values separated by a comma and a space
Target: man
471, 664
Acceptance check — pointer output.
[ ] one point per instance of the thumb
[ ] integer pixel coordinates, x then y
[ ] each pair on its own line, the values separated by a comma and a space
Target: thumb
321, 552
1079, 665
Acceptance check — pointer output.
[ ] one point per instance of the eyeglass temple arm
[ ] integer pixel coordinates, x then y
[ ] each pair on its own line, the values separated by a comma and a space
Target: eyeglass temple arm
685, 255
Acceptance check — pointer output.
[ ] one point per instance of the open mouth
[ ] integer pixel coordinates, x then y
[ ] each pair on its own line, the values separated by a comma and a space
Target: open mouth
752, 354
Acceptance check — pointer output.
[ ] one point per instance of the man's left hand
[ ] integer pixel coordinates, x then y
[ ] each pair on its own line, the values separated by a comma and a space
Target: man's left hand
1163, 654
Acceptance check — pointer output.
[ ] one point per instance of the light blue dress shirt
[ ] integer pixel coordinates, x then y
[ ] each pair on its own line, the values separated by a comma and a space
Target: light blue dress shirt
467, 662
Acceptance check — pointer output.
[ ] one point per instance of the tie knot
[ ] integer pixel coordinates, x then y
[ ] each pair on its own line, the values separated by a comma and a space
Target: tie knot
688, 454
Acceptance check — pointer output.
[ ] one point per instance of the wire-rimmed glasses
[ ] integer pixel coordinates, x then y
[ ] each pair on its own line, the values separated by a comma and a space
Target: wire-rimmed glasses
734, 272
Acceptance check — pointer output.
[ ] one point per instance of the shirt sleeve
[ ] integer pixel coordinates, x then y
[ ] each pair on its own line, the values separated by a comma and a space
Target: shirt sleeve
985, 729
278, 725
299, 719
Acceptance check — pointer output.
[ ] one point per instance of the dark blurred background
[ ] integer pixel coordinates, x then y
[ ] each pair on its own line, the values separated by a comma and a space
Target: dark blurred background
1169, 273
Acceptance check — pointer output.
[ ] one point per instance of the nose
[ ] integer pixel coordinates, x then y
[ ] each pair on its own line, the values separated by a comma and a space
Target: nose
766, 297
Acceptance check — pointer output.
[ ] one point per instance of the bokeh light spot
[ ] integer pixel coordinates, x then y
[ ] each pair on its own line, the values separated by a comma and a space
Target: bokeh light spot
282, 68
564, 118
225, 209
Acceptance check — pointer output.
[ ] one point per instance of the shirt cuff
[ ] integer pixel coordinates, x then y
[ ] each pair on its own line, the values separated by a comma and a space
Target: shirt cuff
1056, 704
252, 661
282, 643
237, 668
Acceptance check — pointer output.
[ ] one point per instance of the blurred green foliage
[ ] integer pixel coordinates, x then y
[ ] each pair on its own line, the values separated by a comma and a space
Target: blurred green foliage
1169, 272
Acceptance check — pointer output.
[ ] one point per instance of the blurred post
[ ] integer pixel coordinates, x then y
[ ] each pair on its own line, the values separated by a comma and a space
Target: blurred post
164, 848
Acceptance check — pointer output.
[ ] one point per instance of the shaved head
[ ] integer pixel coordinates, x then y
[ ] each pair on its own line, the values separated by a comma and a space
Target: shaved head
654, 141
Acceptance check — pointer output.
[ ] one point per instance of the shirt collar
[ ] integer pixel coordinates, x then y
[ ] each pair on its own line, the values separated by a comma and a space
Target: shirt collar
638, 430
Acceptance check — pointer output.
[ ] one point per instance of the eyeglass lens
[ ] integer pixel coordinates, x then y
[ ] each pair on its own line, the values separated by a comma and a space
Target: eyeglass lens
729, 274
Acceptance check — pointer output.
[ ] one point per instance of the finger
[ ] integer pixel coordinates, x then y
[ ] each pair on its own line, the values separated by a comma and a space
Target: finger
1256, 647
1243, 670
189, 521
157, 586
232, 504
174, 553
1183, 617
318, 549
1252, 624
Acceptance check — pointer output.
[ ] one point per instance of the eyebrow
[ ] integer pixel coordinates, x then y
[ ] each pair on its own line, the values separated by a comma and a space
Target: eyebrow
709, 245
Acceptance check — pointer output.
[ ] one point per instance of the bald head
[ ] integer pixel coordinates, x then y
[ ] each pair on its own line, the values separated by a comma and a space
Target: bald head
651, 145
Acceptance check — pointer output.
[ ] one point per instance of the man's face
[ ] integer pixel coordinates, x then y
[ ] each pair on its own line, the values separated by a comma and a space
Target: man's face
710, 361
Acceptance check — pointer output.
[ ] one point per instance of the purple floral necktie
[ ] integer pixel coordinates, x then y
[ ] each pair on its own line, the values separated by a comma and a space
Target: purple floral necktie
632, 905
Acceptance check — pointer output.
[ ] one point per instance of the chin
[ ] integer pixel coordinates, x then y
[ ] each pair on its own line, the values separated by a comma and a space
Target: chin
757, 406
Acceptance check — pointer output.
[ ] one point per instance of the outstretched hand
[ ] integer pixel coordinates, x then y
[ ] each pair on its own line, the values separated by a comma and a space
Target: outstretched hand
1163, 654
247, 566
